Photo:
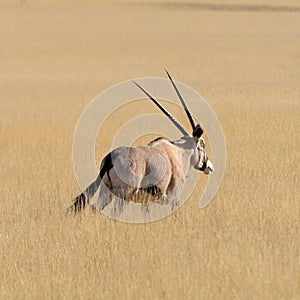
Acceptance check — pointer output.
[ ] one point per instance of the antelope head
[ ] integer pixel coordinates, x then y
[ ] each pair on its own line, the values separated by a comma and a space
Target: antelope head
200, 161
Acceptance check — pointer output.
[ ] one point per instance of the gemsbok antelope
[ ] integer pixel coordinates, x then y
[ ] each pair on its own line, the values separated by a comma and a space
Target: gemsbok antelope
152, 173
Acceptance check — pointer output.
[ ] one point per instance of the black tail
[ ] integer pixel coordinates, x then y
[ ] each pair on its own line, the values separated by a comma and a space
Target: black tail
83, 199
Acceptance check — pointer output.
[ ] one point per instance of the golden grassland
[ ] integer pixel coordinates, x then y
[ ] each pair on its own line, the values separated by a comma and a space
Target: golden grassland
243, 245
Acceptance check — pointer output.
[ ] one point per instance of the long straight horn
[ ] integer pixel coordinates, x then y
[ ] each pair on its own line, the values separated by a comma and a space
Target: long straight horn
171, 118
182, 101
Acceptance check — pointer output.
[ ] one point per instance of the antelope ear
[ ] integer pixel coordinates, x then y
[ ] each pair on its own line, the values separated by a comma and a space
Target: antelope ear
197, 132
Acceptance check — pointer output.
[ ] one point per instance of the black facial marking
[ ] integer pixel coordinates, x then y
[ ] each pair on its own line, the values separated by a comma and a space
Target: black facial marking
203, 166
198, 131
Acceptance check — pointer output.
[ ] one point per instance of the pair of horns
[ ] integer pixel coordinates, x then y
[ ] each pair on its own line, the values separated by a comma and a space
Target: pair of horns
197, 130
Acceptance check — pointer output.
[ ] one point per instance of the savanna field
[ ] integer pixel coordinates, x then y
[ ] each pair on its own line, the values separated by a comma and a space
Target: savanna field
243, 57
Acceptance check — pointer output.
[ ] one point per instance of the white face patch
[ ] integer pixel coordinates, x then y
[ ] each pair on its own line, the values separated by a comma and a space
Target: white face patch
201, 149
204, 163
209, 167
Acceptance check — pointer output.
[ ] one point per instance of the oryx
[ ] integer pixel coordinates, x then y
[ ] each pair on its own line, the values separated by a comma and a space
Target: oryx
154, 172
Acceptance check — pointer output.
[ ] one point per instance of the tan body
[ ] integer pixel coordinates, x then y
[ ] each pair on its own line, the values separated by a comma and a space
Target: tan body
144, 174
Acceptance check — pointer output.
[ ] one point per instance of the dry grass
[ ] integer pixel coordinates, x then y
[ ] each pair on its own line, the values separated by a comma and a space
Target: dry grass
245, 244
